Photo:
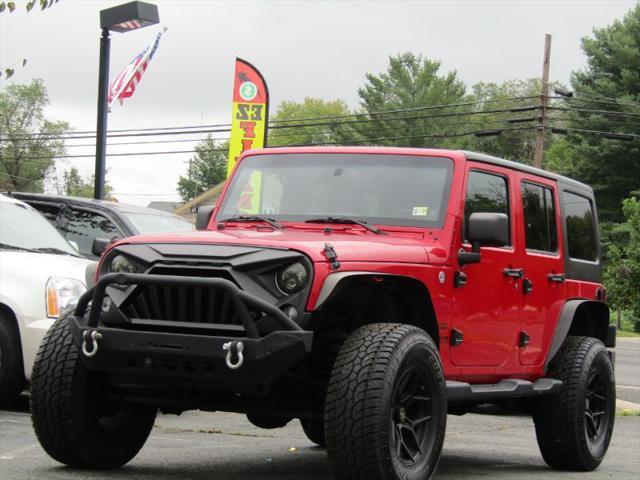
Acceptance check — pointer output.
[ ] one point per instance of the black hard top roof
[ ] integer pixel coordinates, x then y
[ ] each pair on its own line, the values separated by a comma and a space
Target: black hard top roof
480, 157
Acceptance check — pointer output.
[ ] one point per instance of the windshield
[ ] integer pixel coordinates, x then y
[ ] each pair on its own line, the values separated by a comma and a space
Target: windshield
383, 189
151, 223
25, 228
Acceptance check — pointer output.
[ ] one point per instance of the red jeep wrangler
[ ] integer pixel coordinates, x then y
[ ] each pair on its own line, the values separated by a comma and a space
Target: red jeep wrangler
367, 292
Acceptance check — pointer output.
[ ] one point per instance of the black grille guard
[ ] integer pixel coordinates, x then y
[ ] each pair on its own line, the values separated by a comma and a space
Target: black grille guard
224, 356
240, 298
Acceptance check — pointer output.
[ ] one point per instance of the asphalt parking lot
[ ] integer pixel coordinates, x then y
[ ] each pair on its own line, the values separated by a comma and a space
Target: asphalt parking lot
202, 446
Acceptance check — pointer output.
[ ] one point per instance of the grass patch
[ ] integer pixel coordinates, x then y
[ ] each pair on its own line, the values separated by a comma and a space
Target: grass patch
628, 333
627, 412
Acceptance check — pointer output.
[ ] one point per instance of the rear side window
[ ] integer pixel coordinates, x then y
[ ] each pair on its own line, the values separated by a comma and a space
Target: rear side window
539, 218
83, 227
50, 212
581, 239
487, 193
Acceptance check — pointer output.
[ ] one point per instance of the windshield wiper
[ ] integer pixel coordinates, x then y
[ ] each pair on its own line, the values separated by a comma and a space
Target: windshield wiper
347, 220
14, 247
57, 251
252, 218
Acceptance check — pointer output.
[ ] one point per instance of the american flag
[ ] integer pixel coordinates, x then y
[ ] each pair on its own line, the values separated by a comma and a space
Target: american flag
125, 83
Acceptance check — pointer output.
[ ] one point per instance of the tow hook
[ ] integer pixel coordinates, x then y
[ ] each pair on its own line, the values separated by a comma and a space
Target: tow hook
234, 348
90, 342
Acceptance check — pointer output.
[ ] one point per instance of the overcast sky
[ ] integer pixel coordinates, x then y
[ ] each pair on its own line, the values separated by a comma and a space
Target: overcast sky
319, 49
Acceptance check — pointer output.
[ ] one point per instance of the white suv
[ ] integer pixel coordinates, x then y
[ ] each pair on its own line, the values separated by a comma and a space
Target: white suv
41, 277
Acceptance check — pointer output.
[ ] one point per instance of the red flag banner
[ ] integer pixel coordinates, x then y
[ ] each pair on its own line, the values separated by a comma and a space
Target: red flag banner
125, 83
250, 112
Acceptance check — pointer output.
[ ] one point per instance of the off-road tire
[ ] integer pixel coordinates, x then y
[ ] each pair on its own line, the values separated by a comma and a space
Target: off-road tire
11, 367
65, 413
561, 420
364, 401
314, 430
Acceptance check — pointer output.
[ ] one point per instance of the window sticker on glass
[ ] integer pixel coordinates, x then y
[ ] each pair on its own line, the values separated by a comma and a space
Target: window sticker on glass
420, 211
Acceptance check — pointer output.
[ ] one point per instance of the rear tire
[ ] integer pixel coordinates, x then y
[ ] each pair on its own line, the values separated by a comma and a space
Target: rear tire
386, 405
11, 367
314, 430
574, 426
73, 425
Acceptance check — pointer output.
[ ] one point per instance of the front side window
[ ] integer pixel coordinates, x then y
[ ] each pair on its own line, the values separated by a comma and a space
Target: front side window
25, 228
539, 218
83, 227
487, 193
380, 189
581, 239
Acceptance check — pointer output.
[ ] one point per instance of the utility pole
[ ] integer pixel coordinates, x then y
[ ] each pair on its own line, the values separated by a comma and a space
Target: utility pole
537, 161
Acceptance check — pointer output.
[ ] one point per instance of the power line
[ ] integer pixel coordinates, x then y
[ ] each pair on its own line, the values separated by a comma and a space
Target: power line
347, 122
609, 135
630, 103
326, 117
298, 134
603, 112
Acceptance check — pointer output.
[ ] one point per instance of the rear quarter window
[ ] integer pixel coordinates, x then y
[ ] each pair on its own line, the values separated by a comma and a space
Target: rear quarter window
581, 238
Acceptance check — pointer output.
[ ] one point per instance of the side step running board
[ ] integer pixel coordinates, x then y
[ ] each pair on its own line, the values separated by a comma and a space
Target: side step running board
503, 390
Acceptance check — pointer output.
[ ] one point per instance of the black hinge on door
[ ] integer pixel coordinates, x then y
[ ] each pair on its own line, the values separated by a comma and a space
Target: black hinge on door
456, 338
524, 339
459, 279
527, 286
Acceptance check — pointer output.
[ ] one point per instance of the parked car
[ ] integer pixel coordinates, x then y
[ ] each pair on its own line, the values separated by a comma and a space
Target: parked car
85, 220
368, 292
41, 277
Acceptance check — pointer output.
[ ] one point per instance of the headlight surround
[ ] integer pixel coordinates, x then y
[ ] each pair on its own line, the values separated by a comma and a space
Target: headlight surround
123, 264
292, 278
62, 295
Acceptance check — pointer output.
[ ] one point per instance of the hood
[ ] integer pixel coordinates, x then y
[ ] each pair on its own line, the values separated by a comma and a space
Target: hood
351, 244
36, 268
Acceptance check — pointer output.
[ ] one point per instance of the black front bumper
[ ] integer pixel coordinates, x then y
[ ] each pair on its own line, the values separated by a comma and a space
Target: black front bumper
144, 350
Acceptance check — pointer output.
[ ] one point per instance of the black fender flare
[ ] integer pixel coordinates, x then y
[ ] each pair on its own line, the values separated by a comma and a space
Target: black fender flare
596, 311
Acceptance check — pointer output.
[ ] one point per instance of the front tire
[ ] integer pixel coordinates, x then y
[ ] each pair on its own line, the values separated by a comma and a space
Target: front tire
386, 405
574, 427
75, 426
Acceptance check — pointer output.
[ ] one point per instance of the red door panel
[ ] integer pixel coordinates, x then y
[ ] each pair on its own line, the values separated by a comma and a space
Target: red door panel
487, 308
543, 261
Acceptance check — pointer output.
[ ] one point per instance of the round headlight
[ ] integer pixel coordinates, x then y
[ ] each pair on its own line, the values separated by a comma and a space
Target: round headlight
122, 264
292, 279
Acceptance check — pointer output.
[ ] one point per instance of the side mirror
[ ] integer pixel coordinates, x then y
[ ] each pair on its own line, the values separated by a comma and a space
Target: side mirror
203, 215
485, 230
99, 245
488, 229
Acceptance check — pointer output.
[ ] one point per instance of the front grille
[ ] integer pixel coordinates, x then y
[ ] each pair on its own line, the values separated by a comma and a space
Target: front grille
181, 303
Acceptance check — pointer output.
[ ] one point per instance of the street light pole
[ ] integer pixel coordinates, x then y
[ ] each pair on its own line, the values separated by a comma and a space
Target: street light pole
101, 130
121, 18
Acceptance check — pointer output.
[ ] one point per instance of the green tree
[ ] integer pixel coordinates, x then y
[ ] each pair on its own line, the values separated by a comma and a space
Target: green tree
292, 113
611, 81
74, 185
518, 135
208, 167
28, 141
411, 81
622, 275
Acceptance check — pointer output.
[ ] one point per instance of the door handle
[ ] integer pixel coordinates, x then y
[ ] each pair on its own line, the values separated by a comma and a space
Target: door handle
513, 272
556, 277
